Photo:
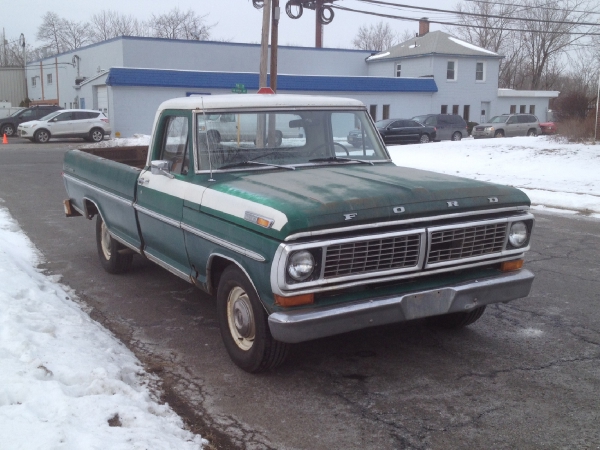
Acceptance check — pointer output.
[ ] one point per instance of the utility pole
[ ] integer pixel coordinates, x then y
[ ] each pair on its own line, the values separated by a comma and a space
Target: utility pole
274, 44
318, 26
264, 44
22, 43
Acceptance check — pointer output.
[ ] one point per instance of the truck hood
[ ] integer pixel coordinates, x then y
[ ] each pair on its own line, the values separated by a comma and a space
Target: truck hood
347, 195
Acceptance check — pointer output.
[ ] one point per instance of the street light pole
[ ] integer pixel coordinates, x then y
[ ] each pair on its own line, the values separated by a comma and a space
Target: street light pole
22, 43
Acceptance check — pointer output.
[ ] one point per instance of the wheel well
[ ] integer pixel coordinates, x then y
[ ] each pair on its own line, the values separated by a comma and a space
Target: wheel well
216, 267
90, 209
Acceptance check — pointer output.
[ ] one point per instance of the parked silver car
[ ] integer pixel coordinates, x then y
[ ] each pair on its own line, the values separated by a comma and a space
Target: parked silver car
67, 123
506, 125
448, 126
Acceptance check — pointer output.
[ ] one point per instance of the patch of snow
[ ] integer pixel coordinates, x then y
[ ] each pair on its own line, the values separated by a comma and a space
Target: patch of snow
471, 46
379, 55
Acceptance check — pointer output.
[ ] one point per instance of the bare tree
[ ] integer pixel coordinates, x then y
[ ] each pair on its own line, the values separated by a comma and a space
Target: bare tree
50, 31
177, 24
74, 34
110, 24
376, 37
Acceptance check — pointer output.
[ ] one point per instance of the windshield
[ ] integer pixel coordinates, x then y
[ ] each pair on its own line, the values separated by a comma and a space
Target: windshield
498, 119
16, 113
286, 138
50, 116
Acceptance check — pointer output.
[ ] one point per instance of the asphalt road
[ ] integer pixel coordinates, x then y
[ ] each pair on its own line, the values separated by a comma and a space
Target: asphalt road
525, 376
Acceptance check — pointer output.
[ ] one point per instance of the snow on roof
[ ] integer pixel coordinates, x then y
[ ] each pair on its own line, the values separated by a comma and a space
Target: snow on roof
471, 46
379, 55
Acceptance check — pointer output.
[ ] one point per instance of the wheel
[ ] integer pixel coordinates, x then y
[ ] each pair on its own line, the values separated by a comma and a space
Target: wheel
8, 130
114, 257
424, 139
96, 135
532, 132
459, 319
499, 134
244, 326
41, 136
456, 136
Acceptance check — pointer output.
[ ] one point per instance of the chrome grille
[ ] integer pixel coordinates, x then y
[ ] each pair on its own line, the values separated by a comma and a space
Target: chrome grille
351, 258
466, 242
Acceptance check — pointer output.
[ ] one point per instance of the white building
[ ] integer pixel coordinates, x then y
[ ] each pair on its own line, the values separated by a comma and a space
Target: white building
128, 77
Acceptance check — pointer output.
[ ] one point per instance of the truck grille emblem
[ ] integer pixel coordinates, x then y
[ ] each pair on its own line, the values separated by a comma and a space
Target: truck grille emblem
398, 209
350, 216
493, 199
452, 203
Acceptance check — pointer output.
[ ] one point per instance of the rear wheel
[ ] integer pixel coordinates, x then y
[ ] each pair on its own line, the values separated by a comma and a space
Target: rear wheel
8, 129
244, 325
456, 136
96, 135
41, 136
114, 257
459, 319
424, 139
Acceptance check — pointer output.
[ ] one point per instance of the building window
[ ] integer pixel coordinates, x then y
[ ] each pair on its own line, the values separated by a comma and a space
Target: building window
373, 112
454, 109
479, 72
451, 71
513, 109
34, 81
49, 78
466, 112
386, 112
444, 109
531, 109
398, 70
522, 108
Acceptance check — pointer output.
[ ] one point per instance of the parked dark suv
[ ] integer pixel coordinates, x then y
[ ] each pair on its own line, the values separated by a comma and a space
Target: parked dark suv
448, 126
9, 125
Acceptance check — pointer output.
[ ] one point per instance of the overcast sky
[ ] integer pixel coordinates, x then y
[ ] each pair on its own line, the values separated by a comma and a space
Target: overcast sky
235, 20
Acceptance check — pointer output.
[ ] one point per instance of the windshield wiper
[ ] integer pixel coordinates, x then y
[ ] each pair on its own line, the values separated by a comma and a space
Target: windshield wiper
340, 160
254, 163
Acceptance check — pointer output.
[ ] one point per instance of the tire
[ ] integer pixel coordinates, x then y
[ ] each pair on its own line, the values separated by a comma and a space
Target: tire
244, 326
41, 136
456, 136
96, 135
532, 133
424, 139
459, 319
8, 130
499, 134
114, 257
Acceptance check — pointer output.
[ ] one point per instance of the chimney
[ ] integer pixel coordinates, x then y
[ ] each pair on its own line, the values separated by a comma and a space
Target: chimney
423, 26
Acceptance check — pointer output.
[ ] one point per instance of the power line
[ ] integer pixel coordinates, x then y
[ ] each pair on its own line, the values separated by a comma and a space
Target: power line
538, 7
454, 24
462, 13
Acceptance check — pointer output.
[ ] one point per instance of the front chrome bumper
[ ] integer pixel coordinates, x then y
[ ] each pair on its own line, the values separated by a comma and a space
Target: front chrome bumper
307, 324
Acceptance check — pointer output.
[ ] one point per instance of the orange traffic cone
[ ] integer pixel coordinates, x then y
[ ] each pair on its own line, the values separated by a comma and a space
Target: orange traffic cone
4, 140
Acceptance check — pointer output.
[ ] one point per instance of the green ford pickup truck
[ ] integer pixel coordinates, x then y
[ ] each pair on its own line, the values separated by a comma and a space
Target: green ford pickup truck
299, 234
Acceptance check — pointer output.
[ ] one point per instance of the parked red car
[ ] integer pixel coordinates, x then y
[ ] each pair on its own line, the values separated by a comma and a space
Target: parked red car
548, 127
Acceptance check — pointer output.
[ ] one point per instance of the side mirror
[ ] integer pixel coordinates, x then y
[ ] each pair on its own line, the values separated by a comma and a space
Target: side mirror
161, 167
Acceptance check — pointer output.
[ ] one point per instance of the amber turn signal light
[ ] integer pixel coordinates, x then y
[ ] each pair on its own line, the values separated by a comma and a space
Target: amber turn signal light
508, 266
296, 300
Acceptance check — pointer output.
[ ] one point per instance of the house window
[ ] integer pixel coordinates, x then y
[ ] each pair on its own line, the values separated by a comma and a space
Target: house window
531, 109
444, 109
466, 112
454, 109
479, 72
513, 109
451, 71
522, 109
398, 70
49, 78
386, 112
34, 81
373, 112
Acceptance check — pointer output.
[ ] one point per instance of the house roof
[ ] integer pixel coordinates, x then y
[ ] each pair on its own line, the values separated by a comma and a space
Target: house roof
435, 42
119, 76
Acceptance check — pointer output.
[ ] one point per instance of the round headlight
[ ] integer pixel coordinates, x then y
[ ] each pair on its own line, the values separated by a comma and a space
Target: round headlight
301, 265
518, 234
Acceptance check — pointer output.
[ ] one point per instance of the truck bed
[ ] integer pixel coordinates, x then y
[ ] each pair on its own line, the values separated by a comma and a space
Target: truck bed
134, 156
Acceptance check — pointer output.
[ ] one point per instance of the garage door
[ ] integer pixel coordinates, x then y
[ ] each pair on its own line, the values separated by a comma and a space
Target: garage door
103, 99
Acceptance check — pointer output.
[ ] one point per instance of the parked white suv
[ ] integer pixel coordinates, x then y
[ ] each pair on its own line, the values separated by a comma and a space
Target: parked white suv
67, 123
507, 125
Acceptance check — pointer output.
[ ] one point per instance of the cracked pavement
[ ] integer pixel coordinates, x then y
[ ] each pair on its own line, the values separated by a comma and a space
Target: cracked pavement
526, 375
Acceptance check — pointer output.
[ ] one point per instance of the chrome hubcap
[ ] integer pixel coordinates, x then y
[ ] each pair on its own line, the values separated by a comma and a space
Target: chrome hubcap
105, 241
241, 318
